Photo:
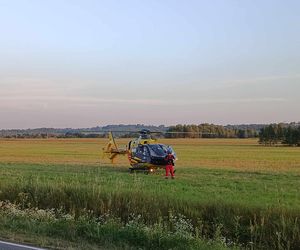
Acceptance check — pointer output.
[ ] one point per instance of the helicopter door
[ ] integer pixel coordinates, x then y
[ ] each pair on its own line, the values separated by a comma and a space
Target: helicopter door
143, 153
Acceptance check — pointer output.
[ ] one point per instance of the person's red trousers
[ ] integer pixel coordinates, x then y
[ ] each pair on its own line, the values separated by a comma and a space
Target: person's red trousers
169, 169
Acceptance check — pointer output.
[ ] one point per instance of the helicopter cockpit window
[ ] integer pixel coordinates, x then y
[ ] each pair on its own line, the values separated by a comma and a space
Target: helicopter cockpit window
158, 149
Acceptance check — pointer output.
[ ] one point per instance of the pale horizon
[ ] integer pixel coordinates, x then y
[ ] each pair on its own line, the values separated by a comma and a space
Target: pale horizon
76, 64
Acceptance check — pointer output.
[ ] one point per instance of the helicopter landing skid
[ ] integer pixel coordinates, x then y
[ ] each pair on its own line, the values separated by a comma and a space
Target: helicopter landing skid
145, 170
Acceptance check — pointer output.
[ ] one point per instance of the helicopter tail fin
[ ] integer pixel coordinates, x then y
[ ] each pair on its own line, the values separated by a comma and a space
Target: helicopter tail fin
111, 151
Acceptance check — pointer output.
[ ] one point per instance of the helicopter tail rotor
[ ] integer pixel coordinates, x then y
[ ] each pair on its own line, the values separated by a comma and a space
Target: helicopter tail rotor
111, 151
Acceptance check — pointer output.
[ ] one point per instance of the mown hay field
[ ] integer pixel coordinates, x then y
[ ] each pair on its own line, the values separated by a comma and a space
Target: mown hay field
227, 193
239, 154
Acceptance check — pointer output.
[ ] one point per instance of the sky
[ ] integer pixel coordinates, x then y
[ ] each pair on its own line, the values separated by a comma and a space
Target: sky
84, 63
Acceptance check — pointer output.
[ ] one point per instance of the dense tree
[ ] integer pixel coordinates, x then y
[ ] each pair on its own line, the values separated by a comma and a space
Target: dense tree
206, 130
277, 133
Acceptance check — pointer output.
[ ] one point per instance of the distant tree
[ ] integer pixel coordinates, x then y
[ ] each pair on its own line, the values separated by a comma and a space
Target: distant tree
277, 133
206, 130
242, 133
292, 136
267, 135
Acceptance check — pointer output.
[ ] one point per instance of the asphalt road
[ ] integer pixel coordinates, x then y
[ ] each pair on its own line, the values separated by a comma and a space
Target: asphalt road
13, 246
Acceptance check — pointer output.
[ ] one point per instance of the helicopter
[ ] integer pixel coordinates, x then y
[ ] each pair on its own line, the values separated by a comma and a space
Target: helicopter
144, 153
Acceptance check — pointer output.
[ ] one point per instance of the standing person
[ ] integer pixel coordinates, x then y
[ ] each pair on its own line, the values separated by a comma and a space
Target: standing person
169, 165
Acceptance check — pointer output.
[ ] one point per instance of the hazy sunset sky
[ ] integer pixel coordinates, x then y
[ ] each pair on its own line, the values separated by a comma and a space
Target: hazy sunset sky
86, 63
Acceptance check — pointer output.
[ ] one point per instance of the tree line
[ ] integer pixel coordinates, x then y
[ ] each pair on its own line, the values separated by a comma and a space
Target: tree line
93, 132
279, 133
283, 133
206, 130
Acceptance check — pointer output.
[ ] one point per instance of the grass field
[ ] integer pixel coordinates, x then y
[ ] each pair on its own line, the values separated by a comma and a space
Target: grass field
227, 193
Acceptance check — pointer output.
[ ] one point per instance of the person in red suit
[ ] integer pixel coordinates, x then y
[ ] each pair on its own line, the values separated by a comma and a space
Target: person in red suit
169, 165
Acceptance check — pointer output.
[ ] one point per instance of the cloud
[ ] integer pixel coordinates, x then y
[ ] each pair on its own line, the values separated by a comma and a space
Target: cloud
44, 102
86, 101
259, 80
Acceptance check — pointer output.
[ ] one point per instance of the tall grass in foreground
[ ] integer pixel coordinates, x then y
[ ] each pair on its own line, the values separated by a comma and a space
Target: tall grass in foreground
104, 230
239, 225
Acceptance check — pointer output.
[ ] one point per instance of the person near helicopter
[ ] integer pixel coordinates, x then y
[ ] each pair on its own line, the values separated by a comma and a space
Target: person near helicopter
169, 159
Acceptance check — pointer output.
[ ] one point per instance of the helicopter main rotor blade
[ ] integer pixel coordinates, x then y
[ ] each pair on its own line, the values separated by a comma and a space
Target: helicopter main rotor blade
184, 132
146, 132
202, 133
108, 131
